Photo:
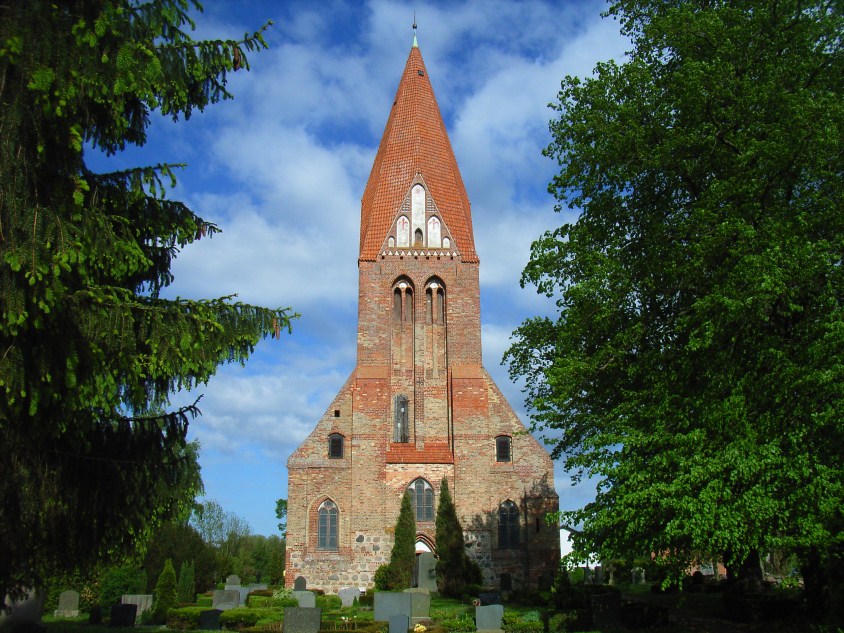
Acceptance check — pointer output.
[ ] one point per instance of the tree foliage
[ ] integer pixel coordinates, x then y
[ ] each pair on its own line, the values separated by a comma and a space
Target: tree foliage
119, 580
403, 554
166, 593
695, 363
186, 586
455, 569
89, 351
182, 543
281, 515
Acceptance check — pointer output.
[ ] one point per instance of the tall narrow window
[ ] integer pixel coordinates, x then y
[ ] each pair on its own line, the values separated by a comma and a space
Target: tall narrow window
435, 297
440, 305
508, 526
502, 449
397, 300
422, 499
327, 528
417, 237
401, 424
408, 305
335, 446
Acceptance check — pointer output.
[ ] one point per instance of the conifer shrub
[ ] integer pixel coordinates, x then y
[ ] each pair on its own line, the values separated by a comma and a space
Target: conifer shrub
403, 556
455, 570
165, 597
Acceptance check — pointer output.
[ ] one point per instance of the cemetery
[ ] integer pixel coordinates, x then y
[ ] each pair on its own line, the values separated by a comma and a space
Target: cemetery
579, 600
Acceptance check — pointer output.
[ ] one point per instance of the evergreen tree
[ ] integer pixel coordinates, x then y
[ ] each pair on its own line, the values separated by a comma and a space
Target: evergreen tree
165, 596
455, 569
277, 562
403, 556
186, 589
89, 351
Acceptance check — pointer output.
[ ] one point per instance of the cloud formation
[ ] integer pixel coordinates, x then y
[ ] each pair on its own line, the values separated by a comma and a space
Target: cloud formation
282, 167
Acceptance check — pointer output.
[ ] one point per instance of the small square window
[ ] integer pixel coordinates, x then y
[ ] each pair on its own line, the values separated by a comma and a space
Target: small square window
336, 413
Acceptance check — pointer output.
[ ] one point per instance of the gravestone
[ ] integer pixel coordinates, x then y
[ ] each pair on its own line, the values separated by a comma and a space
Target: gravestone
142, 600
637, 576
426, 571
598, 575
488, 618
123, 615
300, 584
233, 580
388, 603
209, 620
420, 605
399, 623
302, 620
244, 594
587, 575
68, 604
489, 597
258, 586
305, 599
225, 599
348, 595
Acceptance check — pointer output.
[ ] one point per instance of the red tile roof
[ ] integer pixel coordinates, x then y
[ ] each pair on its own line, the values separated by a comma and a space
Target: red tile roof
415, 141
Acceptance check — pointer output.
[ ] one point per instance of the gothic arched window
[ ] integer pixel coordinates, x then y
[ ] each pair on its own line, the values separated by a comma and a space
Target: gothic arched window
402, 302
435, 302
422, 499
327, 526
508, 526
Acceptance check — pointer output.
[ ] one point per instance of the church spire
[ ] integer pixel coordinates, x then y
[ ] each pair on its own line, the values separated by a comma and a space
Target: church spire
415, 145
415, 43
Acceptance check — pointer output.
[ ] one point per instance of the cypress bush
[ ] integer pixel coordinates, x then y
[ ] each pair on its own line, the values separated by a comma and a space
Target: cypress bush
455, 569
165, 593
403, 556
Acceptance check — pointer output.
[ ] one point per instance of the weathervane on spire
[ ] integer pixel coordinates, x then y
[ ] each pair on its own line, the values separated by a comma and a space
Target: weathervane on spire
415, 43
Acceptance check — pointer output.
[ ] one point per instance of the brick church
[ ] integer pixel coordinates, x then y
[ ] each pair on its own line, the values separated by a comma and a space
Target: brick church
419, 406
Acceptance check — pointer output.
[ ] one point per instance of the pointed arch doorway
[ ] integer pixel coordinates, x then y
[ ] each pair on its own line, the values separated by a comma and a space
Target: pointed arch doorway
425, 566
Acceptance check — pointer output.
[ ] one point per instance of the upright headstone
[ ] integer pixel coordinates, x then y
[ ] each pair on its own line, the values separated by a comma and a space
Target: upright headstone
68, 604
399, 623
420, 605
225, 599
300, 584
348, 595
142, 600
209, 620
598, 575
305, 599
488, 618
233, 580
388, 603
302, 620
123, 615
427, 571
258, 586
489, 597
637, 575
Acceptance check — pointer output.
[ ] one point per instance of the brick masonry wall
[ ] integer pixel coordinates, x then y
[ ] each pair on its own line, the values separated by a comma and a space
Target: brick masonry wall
455, 408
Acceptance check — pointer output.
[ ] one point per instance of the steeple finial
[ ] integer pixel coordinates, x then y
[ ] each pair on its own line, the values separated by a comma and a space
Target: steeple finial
415, 43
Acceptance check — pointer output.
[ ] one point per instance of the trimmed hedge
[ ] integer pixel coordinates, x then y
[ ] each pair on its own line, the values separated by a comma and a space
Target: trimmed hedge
184, 618
329, 603
243, 617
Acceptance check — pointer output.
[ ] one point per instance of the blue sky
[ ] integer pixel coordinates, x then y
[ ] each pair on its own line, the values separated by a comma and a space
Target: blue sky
281, 170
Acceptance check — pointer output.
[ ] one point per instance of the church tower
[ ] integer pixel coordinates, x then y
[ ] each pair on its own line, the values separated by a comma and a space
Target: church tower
419, 407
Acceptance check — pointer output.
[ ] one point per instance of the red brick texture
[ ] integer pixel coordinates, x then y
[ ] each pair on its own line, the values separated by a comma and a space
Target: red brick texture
408, 346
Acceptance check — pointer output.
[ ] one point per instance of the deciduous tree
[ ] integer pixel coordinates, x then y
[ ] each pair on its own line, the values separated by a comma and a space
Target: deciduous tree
89, 351
695, 362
